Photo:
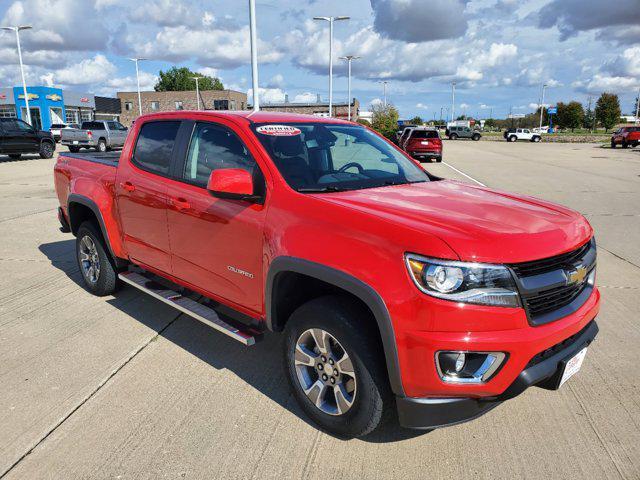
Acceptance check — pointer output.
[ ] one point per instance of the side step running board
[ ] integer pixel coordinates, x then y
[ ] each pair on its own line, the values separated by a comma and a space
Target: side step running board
186, 305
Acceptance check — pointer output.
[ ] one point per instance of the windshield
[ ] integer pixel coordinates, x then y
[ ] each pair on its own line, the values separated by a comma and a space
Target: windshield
323, 157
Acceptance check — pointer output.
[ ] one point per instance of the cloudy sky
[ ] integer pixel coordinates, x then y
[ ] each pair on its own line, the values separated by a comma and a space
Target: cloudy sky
498, 51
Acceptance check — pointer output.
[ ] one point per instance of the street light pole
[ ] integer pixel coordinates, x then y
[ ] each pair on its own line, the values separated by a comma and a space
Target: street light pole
453, 100
136, 60
331, 20
24, 83
254, 55
197, 91
638, 106
384, 91
349, 58
544, 86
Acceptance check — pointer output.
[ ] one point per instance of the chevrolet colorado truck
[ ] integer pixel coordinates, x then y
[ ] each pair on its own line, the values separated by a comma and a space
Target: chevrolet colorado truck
626, 136
395, 291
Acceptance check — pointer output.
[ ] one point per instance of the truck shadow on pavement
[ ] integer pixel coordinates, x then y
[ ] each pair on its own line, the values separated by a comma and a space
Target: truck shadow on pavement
23, 158
260, 365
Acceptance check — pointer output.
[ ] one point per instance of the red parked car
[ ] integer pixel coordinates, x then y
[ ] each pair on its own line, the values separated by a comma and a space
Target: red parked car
626, 136
393, 289
424, 144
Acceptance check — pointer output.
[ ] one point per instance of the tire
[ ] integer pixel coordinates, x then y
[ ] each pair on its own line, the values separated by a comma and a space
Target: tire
625, 144
536, 139
613, 144
513, 138
367, 387
439, 160
74, 149
15, 156
475, 137
453, 136
91, 253
47, 149
102, 146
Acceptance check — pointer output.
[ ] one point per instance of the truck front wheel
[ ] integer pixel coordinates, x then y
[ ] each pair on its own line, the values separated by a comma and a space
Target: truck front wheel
99, 275
335, 367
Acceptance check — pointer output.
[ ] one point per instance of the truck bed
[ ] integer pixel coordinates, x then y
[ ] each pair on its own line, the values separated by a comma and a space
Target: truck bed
106, 158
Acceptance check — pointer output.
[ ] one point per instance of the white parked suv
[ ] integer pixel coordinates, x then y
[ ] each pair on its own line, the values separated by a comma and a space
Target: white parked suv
513, 134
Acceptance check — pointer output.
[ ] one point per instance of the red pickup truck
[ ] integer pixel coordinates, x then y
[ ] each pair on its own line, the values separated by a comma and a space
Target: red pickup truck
626, 136
395, 290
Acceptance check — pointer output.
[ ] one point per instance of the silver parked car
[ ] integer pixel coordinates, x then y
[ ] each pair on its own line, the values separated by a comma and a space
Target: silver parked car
102, 135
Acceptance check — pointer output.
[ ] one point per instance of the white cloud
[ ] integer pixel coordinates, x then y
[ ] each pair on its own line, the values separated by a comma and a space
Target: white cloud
208, 72
277, 81
94, 70
306, 97
267, 95
422, 106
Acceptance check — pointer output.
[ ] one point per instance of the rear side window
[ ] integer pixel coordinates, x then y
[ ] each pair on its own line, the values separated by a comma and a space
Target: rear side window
155, 146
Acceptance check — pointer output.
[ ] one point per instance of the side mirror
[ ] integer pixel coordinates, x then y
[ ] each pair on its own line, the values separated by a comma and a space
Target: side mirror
231, 183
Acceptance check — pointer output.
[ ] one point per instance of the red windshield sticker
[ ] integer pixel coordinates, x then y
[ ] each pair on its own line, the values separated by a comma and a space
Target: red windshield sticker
278, 130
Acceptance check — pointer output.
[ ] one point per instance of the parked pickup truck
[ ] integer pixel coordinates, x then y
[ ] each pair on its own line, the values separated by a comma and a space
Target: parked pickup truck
18, 137
101, 135
626, 136
392, 288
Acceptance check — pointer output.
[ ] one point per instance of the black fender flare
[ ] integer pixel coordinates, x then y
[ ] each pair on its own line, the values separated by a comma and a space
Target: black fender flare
87, 202
351, 285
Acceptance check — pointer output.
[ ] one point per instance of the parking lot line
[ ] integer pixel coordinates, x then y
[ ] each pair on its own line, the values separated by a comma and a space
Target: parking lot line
464, 174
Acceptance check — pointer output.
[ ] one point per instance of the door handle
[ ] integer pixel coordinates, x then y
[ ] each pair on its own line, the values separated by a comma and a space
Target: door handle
181, 204
128, 186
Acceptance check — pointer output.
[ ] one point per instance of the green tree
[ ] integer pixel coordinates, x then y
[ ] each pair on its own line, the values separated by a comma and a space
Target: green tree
635, 106
385, 120
417, 120
490, 123
180, 79
608, 110
364, 121
589, 118
574, 115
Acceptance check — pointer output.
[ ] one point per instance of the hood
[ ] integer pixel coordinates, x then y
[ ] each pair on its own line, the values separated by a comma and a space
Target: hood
478, 223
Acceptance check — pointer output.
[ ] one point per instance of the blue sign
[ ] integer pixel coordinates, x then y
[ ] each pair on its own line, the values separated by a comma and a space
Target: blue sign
552, 110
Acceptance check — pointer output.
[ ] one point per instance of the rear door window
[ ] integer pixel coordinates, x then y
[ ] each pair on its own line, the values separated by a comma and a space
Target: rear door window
154, 147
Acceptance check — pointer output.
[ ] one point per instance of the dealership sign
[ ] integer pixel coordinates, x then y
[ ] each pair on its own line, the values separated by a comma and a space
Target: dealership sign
84, 100
3, 96
54, 97
32, 96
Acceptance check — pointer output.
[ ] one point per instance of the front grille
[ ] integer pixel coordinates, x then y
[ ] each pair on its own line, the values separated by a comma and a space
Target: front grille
536, 267
553, 299
541, 302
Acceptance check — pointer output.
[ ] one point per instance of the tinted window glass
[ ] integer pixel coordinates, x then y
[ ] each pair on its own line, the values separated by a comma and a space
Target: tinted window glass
155, 145
424, 134
92, 126
10, 125
112, 125
213, 147
58, 125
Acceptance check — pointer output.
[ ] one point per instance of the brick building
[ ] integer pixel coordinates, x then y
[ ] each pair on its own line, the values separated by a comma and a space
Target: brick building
184, 100
319, 107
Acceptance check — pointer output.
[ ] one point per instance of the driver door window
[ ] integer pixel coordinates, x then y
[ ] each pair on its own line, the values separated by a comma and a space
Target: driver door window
213, 147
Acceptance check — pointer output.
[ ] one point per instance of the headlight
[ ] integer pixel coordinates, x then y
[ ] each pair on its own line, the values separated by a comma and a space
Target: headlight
479, 283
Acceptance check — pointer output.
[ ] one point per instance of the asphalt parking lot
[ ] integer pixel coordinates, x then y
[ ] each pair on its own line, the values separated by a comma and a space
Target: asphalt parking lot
125, 387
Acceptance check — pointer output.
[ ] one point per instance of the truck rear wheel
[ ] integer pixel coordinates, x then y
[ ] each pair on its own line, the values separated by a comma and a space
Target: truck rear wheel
335, 367
102, 146
475, 137
453, 136
47, 149
512, 138
99, 274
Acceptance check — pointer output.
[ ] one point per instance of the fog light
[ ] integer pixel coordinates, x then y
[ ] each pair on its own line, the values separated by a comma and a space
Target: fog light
468, 367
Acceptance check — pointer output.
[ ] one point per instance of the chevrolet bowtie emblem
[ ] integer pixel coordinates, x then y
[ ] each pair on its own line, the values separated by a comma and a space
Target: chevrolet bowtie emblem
577, 275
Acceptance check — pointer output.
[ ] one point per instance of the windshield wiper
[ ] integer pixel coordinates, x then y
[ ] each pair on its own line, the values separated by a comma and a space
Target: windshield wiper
328, 188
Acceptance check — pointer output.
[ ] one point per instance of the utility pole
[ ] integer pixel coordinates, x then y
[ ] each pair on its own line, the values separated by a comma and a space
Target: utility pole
136, 60
254, 55
349, 58
24, 83
331, 20
197, 91
453, 100
544, 86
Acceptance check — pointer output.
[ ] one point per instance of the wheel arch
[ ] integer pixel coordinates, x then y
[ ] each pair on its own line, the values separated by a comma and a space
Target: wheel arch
81, 209
336, 281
